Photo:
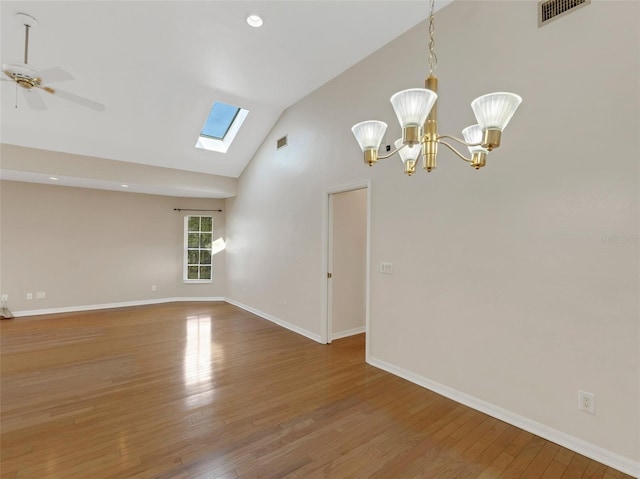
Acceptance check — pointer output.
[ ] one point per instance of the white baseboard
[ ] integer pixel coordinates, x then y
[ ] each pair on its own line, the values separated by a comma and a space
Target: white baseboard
211, 299
125, 304
580, 446
348, 332
611, 459
278, 321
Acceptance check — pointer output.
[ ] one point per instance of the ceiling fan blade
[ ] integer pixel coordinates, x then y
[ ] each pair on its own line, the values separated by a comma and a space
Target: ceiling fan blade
34, 100
54, 74
75, 98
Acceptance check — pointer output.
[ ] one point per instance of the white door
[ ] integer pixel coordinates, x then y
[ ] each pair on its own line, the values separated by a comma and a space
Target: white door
347, 263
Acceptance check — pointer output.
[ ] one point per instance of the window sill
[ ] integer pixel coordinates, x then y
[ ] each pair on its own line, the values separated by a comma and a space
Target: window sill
197, 281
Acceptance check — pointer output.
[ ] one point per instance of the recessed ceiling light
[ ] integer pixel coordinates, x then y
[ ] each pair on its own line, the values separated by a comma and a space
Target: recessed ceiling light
125, 186
53, 178
254, 20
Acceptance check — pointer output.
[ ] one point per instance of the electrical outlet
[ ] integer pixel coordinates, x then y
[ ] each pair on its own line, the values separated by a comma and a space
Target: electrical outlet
41, 295
154, 287
587, 402
29, 296
5, 297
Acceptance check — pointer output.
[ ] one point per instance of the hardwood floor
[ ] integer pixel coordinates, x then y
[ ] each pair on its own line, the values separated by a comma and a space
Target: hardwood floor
204, 390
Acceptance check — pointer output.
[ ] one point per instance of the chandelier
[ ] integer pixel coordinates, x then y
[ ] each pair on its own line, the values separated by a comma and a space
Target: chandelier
416, 110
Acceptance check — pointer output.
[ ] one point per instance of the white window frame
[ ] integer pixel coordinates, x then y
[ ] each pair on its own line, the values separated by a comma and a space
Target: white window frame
185, 255
221, 146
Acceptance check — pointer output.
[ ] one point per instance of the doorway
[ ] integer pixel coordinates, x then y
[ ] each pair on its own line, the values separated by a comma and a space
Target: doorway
347, 261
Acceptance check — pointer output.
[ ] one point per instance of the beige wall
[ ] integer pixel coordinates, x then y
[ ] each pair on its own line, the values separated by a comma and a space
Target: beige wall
514, 286
89, 247
348, 262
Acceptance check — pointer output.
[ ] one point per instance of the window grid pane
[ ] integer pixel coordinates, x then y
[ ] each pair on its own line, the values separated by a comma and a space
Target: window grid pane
206, 224
198, 257
194, 223
205, 272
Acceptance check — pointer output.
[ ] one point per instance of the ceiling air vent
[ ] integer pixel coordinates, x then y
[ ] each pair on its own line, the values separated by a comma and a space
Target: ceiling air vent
282, 142
551, 9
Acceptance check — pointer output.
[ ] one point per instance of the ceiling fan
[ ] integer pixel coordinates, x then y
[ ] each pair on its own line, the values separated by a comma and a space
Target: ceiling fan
32, 80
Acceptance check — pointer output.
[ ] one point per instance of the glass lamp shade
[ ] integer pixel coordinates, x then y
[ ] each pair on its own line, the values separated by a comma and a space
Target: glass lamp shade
412, 106
494, 110
408, 152
473, 134
369, 134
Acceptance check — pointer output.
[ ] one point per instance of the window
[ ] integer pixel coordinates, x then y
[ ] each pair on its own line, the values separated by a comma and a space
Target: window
198, 236
219, 121
221, 126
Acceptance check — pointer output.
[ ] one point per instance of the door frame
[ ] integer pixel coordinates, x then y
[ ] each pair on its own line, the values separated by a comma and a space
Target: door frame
327, 231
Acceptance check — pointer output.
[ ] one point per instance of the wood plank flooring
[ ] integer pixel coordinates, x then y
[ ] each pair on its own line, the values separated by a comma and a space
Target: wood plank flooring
207, 390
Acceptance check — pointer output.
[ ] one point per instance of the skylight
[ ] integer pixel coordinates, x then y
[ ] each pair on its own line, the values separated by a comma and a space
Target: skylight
221, 127
220, 119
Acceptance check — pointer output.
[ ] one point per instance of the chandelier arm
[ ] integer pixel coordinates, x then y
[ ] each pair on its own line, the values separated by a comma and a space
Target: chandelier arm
458, 140
460, 155
384, 157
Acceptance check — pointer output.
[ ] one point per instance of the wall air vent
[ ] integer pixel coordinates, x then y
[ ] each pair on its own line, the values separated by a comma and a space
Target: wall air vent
282, 142
551, 9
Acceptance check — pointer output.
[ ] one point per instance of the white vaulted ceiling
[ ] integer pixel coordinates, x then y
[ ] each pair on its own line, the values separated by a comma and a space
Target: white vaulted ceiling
157, 66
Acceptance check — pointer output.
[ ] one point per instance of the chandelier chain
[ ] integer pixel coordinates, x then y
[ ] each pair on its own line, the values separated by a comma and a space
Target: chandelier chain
433, 59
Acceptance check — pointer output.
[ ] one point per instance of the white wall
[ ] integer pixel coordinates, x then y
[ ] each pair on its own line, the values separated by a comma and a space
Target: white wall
36, 166
348, 259
515, 285
86, 247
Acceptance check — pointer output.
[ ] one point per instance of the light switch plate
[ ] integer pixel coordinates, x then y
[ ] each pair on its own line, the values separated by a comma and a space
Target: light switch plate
386, 268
